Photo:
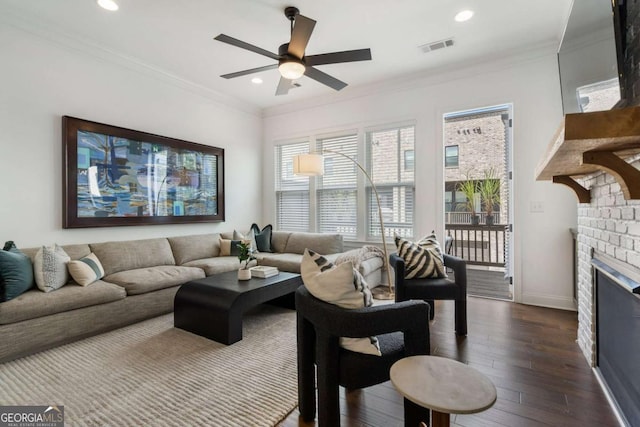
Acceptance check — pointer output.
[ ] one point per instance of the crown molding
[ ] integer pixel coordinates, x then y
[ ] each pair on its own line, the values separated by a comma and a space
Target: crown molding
46, 31
424, 78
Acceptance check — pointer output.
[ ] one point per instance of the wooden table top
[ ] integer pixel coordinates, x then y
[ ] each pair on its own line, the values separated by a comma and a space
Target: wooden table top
443, 385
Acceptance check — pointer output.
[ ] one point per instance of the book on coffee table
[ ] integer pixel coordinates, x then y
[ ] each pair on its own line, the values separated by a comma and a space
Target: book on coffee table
263, 271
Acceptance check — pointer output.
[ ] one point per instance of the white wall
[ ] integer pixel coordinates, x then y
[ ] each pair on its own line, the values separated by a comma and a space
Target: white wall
543, 244
43, 80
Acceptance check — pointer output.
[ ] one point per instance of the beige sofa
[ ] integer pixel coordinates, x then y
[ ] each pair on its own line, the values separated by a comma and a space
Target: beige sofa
140, 282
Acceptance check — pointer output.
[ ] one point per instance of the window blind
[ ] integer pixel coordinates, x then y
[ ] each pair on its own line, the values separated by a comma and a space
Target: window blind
337, 188
292, 192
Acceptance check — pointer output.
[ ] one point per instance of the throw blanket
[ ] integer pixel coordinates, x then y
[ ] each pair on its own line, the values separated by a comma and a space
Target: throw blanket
357, 256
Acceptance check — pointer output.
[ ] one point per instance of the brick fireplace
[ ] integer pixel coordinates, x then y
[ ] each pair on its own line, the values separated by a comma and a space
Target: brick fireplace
608, 313
611, 225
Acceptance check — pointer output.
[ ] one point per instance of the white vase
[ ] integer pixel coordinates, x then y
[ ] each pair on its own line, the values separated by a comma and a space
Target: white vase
244, 274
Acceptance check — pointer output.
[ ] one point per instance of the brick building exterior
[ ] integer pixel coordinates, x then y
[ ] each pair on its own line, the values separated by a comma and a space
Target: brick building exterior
481, 145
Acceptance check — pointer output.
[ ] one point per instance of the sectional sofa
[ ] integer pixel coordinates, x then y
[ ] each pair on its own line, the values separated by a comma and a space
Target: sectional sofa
140, 282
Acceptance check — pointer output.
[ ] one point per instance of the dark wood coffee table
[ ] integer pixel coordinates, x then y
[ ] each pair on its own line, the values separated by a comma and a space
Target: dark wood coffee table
213, 307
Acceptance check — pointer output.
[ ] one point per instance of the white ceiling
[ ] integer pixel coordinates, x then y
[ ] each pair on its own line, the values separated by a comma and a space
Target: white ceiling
176, 37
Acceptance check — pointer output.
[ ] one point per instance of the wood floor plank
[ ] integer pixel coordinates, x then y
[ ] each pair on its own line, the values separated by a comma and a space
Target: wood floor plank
531, 355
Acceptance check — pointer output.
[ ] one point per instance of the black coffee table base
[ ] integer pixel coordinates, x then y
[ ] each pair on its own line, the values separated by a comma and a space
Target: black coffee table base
213, 307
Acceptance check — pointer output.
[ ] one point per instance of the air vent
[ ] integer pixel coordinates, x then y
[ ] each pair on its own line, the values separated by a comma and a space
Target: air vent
440, 44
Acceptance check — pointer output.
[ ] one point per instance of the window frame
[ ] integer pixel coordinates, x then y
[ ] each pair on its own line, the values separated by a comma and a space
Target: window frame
457, 156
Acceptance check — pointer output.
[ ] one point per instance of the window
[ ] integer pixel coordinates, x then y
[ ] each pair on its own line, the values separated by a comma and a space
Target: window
292, 192
342, 200
409, 160
337, 188
393, 176
451, 156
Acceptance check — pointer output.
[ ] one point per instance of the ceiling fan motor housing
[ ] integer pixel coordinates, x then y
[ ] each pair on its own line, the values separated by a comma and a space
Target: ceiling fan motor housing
291, 12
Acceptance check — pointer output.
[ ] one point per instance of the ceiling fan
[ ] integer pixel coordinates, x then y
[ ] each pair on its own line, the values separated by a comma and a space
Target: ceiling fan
292, 61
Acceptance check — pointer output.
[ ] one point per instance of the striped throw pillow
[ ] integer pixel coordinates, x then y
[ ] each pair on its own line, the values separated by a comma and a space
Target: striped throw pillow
86, 270
423, 259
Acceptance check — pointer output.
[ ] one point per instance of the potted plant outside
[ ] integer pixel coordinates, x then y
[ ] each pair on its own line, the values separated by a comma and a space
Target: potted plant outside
489, 189
469, 188
245, 255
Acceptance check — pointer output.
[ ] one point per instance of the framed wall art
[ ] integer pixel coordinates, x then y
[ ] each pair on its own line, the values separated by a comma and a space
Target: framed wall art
114, 176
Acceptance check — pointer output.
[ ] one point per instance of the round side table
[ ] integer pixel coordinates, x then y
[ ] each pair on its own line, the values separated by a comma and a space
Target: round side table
443, 385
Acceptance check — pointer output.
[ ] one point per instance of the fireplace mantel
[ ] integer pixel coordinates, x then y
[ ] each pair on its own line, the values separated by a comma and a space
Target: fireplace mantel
586, 143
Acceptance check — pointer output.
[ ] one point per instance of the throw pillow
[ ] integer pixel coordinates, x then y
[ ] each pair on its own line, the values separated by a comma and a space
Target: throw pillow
423, 259
250, 236
263, 238
16, 272
86, 270
50, 268
230, 247
341, 285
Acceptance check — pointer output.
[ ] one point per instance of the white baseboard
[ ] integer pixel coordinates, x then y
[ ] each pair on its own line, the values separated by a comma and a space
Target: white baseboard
551, 301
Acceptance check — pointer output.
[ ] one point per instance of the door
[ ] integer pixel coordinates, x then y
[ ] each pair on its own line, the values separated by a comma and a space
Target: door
477, 196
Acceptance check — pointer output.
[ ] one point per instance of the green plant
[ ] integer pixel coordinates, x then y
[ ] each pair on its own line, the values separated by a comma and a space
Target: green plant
489, 189
469, 188
245, 255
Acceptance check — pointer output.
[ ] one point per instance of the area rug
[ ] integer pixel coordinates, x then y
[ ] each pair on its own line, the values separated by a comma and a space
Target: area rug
151, 373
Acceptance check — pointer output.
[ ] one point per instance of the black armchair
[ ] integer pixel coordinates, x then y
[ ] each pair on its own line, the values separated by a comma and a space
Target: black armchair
436, 289
402, 330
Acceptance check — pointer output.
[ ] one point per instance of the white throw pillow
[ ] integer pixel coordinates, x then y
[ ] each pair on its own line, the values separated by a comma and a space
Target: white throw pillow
50, 268
250, 236
86, 270
341, 285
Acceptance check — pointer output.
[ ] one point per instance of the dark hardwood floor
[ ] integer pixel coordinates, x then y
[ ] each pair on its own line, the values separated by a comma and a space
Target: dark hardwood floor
530, 354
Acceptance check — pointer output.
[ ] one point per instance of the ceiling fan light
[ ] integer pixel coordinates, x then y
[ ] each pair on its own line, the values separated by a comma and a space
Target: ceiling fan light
108, 5
291, 69
463, 16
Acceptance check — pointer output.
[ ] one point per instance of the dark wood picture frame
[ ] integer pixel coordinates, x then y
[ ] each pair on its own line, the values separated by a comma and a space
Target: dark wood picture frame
120, 177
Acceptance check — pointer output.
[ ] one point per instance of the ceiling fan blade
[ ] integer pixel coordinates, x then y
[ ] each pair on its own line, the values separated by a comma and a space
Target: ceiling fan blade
283, 86
251, 71
302, 29
324, 78
337, 57
239, 43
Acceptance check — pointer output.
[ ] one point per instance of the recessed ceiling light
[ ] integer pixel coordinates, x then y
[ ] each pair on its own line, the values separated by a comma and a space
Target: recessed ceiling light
108, 4
465, 15
256, 81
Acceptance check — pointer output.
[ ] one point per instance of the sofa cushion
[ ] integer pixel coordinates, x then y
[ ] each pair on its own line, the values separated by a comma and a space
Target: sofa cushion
50, 268
188, 248
86, 270
35, 303
216, 265
148, 279
133, 254
317, 242
341, 285
16, 271
279, 240
283, 262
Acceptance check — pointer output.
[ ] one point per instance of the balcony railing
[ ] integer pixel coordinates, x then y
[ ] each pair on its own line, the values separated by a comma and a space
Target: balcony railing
465, 217
478, 244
